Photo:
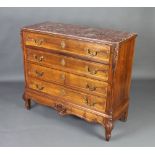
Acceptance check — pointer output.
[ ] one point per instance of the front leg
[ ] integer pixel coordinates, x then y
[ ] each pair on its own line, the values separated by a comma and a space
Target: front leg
124, 116
27, 102
108, 129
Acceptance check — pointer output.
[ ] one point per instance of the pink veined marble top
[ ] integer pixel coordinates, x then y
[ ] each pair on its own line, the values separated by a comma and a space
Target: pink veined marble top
83, 32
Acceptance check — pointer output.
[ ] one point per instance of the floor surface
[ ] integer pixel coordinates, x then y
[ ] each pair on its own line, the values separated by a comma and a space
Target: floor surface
42, 126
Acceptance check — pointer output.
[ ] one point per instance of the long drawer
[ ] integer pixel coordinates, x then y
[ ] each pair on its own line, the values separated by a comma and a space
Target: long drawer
60, 106
78, 82
96, 51
82, 99
76, 66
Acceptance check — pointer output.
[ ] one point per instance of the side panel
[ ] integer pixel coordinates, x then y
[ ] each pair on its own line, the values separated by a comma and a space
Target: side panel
122, 77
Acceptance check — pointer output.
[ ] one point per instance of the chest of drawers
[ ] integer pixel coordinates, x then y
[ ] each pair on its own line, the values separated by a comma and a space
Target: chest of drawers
79, 70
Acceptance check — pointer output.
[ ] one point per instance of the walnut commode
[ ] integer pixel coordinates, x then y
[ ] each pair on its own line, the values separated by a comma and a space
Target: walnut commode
79, 70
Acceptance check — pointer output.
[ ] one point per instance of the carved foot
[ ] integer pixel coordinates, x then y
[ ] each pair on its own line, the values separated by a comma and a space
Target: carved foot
124, 116
108, 129
108, 136
27, 102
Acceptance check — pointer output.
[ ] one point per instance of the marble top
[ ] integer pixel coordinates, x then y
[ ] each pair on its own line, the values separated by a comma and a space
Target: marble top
82, 32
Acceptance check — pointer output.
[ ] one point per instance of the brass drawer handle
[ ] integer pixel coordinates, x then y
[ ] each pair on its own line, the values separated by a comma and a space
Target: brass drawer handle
39, 74
39, 87
38, 41
94, 71
39, 59
90, 87
91, 70
91, 52
63, 44
87, 102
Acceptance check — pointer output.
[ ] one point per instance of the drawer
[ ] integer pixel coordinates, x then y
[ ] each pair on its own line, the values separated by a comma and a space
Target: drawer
69, 64
60, 92
96, 51
87, 115
68, 79
59, 105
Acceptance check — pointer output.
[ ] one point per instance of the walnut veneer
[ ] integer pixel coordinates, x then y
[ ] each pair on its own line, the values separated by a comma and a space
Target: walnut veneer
79, 70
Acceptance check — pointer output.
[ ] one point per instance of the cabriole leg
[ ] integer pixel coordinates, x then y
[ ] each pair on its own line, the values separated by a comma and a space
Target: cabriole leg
108, 130
124, 116
27, 102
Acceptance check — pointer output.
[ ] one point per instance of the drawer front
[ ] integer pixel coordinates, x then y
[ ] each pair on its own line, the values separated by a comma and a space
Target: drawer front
68, 79
77, 66
87, 115
98, 52
60, 106
69, 95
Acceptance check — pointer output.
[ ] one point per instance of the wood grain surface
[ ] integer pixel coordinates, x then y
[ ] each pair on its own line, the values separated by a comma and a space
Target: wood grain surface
79, 70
